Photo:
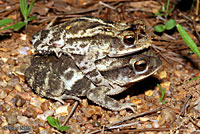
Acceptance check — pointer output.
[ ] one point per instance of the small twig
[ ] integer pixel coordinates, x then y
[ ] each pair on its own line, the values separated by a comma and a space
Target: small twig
10, 10
124, 125
184, 16
135, 116
111, 126
196, 124
169, 36
161, 18
197, 7
56, 131
146, 130
71, 112
182, 112
137, 9
185, 105
51, 23
166, 56
106, 5
197, 33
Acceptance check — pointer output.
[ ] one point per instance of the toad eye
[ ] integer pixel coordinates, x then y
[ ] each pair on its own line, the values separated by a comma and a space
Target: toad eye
140, 65
129, 40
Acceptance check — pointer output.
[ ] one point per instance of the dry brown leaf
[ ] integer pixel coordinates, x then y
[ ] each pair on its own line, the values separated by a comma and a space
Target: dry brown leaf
40, 9
198, 28
150, 6
79, 3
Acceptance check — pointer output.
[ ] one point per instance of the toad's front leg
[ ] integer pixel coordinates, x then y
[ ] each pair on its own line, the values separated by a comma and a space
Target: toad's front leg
99, 96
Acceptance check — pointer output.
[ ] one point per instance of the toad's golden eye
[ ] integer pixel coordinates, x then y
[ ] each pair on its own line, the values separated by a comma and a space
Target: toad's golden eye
129, 40
140, 65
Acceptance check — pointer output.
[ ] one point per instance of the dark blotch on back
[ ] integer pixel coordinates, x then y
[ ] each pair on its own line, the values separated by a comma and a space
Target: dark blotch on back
83, 45
69, 75
44, 34
80, 87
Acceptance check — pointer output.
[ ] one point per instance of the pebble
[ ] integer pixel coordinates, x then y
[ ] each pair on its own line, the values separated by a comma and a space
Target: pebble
20, 69
1, 110
165, 85
149, 92
6, 107
144, 119
45, 115
4, 59
123, 112
35, 102
23, 50
23, 120
64, 110
96, 124
10, 61
88, 126
13, 82
3, 94
77, 128
18, 87
1, 102
167, 116
197, 104
139, 126
177, 73
136, 101
163, 74
28, 112
19, 101
45, 105
112, 120
149, 133
11, 118
32, 111
23, 37
155, 124
84, 103
9, 98
25, 95
44, 131
3, 84
198, 123
191, 126
26, 88
92, 110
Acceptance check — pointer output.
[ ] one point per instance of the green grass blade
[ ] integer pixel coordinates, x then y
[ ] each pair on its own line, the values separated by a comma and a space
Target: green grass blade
162, 90
63, 128
30, 7
31, 18
5, 22
163, 8
24, 8
6, 28
194, 79
51, 121
18, 25
159, 28
57, 122
170, 24
188, 40
167, 10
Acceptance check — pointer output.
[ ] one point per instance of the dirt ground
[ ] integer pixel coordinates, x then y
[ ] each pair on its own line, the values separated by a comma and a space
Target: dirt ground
173, 108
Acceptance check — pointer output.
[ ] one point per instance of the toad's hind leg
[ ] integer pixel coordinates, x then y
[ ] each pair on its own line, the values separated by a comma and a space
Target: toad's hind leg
98, 95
